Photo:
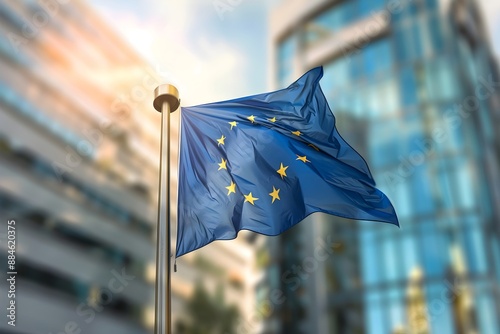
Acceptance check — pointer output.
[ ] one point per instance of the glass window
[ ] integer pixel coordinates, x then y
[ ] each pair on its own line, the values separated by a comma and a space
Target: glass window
375, 315
397, 314
389, 259
413, 7
370, 59
366, 7
329, 78
343, 102
409, 254
384, 55
496, 255
465, 189
378, 159
336, 75
338, 16
440, 80
356, 65
433, 247
373, 100
408, 86
274, 276
436, 33
431, 5
390, 128
378, 138
402, 200
431, 81
330, 21
286, 53
423, 200
388, 97
377, 57
425, 36
357, 101
444, 188
370, 258
452, 124
440, 316
474, 244
416, 35
402, 40
487, 314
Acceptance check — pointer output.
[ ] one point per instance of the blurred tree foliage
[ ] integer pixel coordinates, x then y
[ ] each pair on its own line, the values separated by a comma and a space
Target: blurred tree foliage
207, 314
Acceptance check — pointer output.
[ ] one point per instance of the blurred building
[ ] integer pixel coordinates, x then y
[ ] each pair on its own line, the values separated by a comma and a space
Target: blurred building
79, 143
415, 90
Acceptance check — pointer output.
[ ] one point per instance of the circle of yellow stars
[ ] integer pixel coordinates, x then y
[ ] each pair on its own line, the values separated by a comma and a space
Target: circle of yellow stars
275, 193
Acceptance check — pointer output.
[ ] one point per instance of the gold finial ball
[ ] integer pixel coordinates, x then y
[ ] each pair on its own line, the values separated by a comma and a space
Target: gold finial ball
166, 93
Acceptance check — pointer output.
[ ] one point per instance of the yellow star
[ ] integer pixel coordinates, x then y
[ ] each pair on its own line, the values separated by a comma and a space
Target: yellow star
272, 120
251, 118
282, 170
275, 194
221, 140
231, 188
297, 133
233, 124
250, 199
317, 149
303, 159
222, 165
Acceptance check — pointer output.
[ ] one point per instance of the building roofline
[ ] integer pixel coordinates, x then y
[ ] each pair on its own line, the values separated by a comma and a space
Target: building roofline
295, 13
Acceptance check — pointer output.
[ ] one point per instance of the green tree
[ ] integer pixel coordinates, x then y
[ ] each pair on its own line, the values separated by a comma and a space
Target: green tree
206, 314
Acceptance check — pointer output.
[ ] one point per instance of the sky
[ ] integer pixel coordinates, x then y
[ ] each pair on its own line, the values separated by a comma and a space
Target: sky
213, 50
209, 53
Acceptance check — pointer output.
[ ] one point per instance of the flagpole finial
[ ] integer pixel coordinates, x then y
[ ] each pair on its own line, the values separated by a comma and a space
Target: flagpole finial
166, 93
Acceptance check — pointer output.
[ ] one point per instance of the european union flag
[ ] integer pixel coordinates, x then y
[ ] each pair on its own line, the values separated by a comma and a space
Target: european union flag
265, 162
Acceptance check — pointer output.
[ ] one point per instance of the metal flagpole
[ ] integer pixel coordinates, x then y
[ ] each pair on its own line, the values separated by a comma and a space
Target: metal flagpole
166, 101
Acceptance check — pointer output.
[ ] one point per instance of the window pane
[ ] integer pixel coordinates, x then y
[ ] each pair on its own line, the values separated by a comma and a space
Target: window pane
401, 43
465, 190
409, 254
375, 317
487, 314
334, 19
496, 255
436, 33
286, 52
408, 86
473, 240
366, 7
370, 258
389, 256
423, 200
416, 35
336, 76
384, 55
370, 61
431, 4
397, 314
440, 310
433, 248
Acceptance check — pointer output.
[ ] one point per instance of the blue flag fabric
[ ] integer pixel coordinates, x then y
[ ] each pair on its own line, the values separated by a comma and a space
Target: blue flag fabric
265, 162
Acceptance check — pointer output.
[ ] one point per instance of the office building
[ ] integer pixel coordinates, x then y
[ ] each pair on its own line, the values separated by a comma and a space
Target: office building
79, 144
414, 87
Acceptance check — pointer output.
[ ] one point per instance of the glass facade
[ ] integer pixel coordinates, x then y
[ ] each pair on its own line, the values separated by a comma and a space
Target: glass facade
419, 89
337, 18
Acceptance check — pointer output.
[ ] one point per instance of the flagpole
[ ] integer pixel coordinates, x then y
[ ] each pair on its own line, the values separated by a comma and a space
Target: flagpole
166, 100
